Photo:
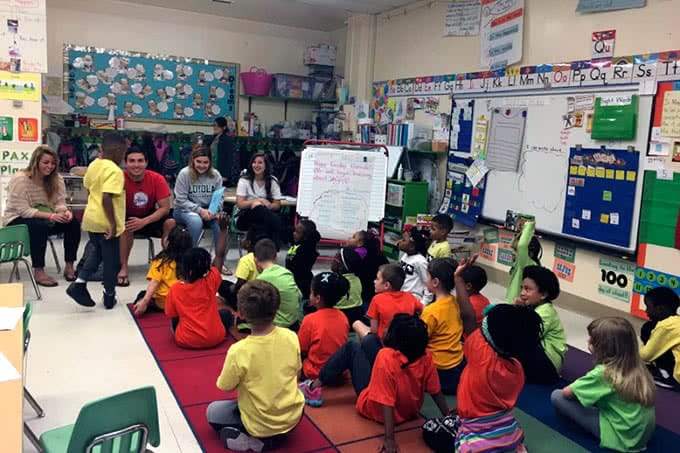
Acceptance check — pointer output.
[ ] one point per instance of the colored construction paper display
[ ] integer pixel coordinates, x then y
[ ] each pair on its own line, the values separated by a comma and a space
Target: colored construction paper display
660, 208
646, 279
462, 121
143, 86
600, 196
462, 201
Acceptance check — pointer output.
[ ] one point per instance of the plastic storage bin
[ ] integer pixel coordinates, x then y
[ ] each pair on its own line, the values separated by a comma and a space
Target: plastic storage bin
293, 86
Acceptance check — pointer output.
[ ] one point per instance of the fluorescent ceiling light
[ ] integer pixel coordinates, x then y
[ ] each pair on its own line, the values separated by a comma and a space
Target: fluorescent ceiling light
226, 2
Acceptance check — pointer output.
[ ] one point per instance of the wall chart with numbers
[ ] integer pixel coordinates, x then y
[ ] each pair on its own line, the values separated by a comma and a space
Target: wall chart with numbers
147, 87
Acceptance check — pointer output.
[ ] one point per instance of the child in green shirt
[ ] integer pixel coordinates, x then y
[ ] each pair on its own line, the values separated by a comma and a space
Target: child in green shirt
283, 280
615, 400
348, 262
528, 252
542, 364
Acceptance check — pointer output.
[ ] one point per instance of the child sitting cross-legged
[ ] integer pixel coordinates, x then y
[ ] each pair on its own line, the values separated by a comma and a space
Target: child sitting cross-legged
414, 262
614, 401
303, 254
283, 280
348, 262
475, 280
263, 368
444, 325
163, 271
246, 269
390, 386
540, 288
324, 331
388, 301
661, 337
493, 377
197, 322
440, 227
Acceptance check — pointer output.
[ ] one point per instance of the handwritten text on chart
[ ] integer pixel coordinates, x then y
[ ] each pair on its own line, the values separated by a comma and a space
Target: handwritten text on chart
341, 172
462, 18
670, 117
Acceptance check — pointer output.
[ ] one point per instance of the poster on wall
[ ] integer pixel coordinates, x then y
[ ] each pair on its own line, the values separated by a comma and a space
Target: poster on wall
502, 33
487, 251
146, 87
596, 6
646, 279
6, 128
603, 44
616, 279
462, 18
23, 36
19, 87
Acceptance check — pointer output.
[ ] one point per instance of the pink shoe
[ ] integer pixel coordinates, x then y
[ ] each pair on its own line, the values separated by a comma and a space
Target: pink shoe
312, 396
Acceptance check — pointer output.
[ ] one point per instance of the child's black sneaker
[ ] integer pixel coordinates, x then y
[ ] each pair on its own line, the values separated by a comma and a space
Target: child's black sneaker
79, 293
109, 301
237, 440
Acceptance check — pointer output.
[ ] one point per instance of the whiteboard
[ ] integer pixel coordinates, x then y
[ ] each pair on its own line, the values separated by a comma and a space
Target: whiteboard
342, 190
539, 186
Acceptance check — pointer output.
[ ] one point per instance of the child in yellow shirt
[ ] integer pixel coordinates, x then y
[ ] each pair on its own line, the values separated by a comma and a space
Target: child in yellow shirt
163, 271
104, 219
263, 368
440, 227
444, 325
661, 337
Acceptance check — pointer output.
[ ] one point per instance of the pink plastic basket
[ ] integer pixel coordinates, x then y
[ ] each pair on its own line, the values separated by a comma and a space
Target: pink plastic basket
256, 82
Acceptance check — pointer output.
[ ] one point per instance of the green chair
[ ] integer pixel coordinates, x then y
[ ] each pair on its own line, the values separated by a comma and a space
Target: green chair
28, 432
123, 423
14, 247
234, 232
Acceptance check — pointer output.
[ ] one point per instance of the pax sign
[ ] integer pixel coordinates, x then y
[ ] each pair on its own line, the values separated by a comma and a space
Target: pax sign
603, 44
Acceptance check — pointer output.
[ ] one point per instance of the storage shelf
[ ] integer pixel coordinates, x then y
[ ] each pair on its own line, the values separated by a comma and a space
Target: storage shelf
295, 100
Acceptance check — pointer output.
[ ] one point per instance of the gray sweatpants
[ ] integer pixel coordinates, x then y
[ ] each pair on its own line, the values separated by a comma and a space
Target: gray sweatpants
588, 418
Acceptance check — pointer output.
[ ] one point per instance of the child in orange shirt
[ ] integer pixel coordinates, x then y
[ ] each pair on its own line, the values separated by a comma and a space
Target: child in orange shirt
162, 273
390, 386
475, 280
389, 301
192, 303
493, 378
326, 330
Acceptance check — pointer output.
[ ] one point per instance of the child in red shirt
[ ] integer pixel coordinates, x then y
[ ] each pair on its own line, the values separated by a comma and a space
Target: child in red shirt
323, 332
192, 303
493, 378
390, 386
475, 280
389, 301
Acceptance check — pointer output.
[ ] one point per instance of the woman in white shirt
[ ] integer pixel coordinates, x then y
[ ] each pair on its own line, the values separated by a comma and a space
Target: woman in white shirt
258, 196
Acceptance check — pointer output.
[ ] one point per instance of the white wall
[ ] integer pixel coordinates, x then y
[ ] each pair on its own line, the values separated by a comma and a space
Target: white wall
412, 45
126, 26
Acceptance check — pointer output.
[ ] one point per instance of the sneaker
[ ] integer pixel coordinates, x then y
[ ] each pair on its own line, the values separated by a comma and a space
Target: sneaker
242, 326
312, 396
79, 293
237, 440
109, 301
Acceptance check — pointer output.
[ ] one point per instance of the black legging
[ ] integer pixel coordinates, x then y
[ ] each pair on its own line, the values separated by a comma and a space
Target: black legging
261, 219
40, 229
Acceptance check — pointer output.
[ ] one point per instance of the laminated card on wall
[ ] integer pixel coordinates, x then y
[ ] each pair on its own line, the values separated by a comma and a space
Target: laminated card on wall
462, 124
615, 117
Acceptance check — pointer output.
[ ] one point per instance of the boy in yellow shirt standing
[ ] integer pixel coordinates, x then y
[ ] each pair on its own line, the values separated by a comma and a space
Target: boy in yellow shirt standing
104, 219
264, 368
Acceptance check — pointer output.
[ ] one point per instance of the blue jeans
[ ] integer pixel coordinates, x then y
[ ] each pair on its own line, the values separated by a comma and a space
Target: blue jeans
195, 225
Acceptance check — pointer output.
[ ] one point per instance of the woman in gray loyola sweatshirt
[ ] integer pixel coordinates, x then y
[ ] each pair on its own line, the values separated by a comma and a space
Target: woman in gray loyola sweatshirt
193, 191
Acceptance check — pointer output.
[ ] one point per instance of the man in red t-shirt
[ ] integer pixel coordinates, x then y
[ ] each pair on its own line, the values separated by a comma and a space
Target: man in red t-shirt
147, 207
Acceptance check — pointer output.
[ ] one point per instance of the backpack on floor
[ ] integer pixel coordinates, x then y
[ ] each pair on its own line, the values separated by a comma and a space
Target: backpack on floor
440, 433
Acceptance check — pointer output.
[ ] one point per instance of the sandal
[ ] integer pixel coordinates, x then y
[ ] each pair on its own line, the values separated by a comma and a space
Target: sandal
47, 282
70, 277
123, 281
226, 271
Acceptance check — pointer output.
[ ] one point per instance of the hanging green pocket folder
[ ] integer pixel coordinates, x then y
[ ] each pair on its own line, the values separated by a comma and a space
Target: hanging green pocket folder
615, 118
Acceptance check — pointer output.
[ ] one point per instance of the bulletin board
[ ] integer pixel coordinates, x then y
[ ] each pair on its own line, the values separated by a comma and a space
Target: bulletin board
556, 121
601, 194
147, 87
460, 132
462, 201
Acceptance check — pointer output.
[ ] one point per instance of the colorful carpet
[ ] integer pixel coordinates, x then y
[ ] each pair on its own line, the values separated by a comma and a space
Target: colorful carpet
336, 427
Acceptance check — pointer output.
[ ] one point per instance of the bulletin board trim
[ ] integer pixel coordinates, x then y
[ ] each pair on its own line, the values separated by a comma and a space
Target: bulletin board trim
163, 57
